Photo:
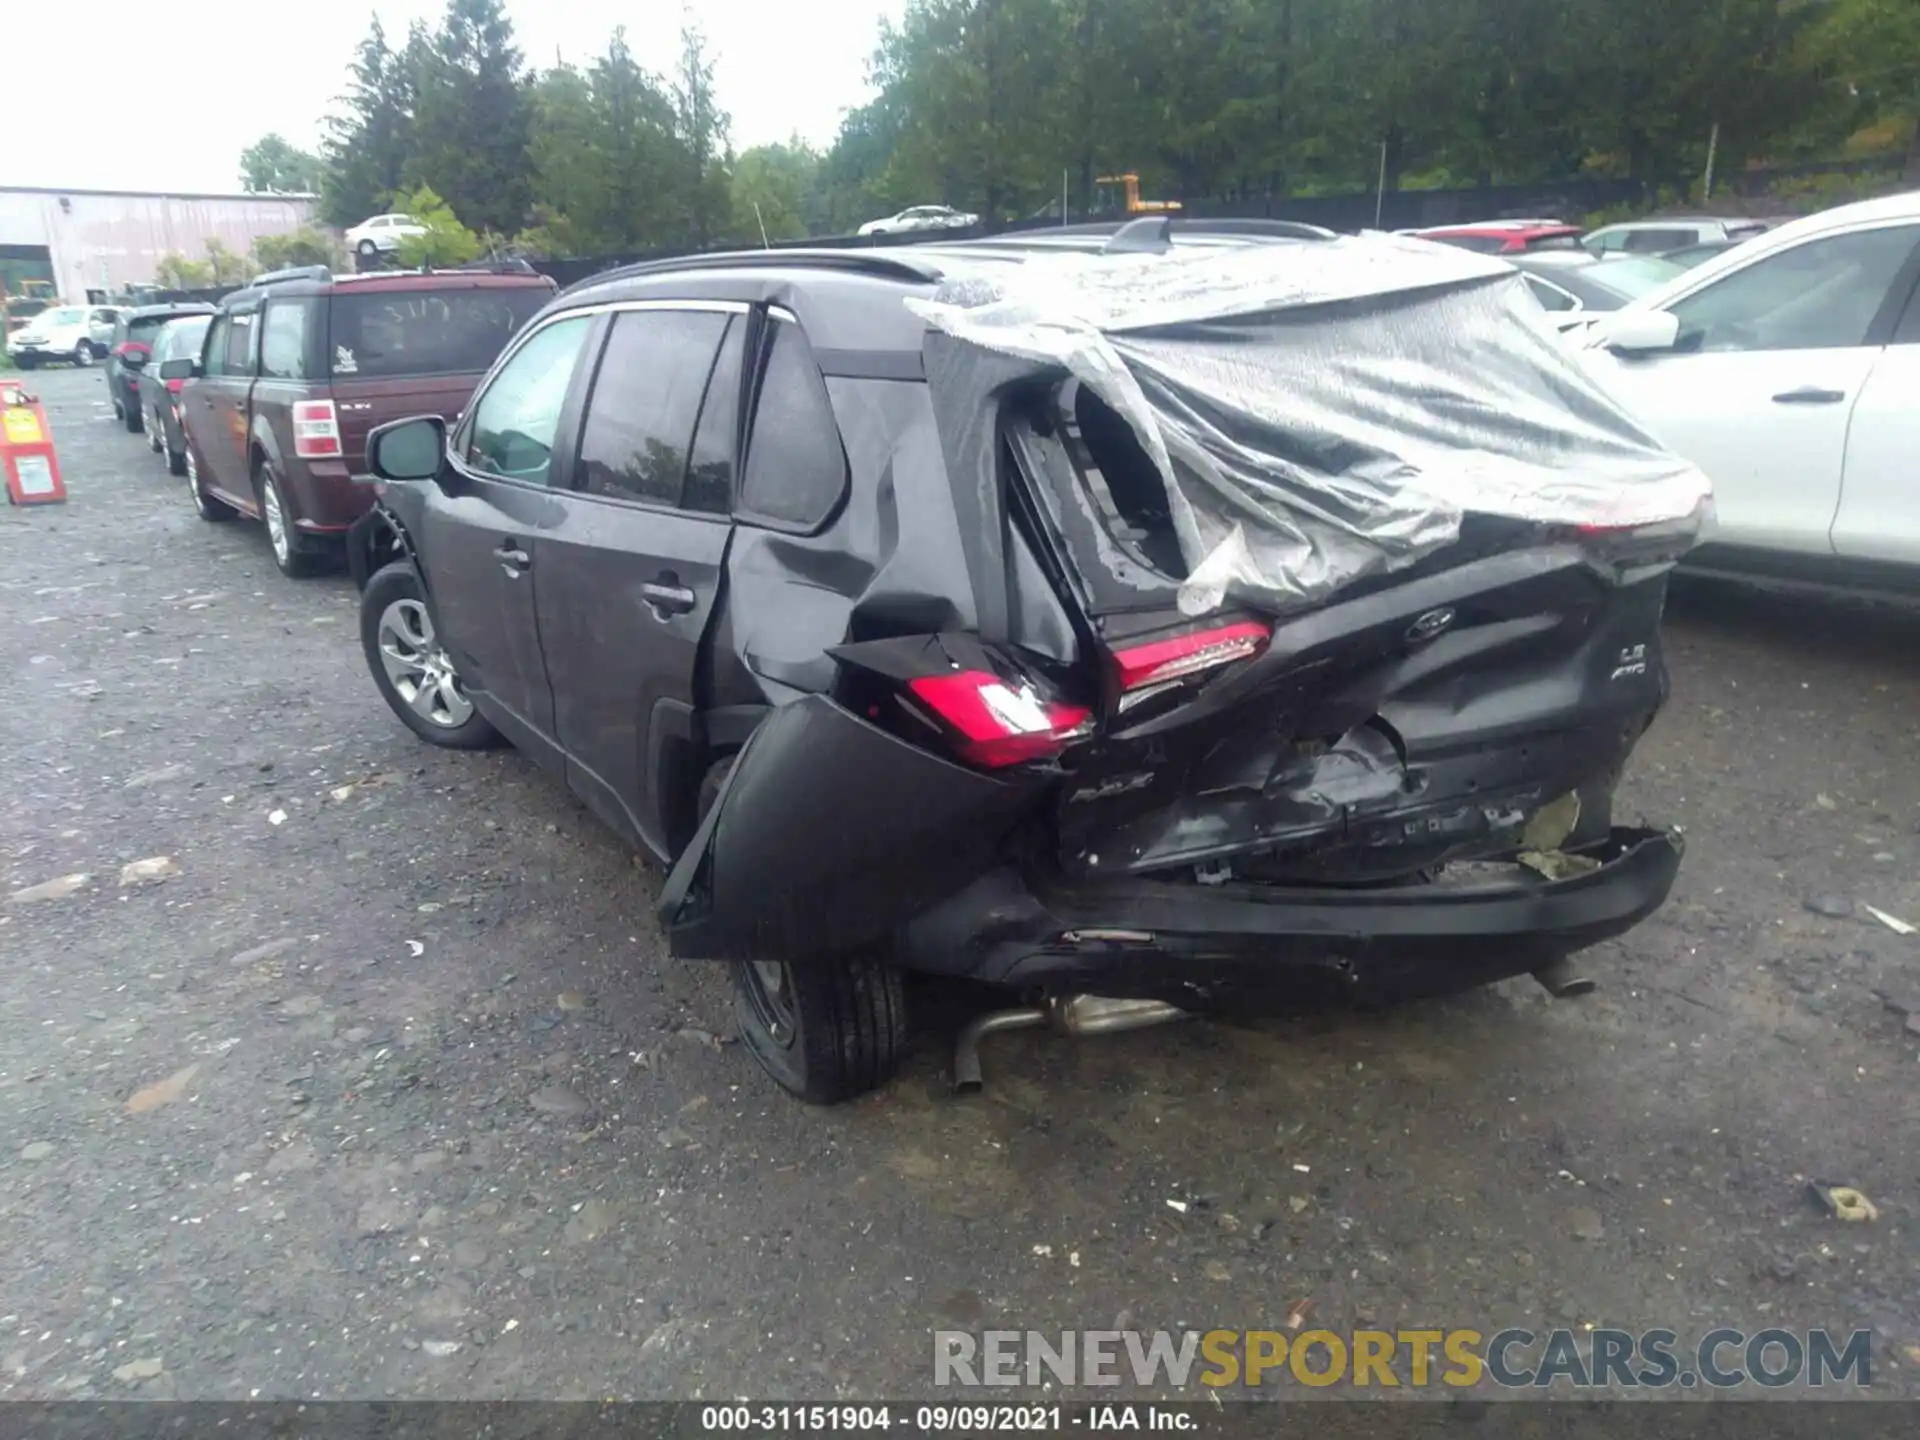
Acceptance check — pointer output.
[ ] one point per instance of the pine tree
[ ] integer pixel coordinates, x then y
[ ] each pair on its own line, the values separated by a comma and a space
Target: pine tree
470, 117
367, 138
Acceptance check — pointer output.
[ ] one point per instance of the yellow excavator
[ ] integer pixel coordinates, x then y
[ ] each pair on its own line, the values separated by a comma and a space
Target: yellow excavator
1129, 196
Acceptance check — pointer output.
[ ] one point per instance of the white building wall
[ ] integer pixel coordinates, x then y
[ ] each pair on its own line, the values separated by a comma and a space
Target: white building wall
104, 240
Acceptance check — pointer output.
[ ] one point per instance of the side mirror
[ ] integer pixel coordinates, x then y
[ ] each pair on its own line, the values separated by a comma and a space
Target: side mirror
179, 369
408, 449
1638, 332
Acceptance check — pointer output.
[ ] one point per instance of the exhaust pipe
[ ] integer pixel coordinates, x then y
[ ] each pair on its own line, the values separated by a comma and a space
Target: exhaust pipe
1562, 981
1071, 1015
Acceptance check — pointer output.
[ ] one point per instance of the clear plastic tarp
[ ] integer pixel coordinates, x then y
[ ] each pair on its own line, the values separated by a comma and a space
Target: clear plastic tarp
1322, 410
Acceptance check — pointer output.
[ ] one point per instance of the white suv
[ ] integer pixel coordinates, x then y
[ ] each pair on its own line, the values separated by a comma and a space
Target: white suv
1787, 369
76, 333
1653, 237
382, 234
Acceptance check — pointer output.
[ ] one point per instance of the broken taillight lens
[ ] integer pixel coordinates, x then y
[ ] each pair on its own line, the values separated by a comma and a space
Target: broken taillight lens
994, 723
316, 430
1646, 543
1147, 669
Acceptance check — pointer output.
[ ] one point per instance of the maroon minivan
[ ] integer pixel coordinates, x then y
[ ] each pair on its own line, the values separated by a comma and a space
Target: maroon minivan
300, 365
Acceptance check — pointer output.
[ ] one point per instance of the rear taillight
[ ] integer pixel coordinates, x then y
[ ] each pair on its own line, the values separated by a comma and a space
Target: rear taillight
316, 430
1148, 669
993, 723
131, 347
173, 386
1645, 543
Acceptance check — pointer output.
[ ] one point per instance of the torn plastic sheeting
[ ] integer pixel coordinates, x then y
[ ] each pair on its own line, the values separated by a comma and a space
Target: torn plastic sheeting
1323, 410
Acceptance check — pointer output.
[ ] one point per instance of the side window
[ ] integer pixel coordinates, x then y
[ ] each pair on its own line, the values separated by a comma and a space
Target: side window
710, 470
1908, 331
283, 340
1551, 296
1652, 242
238, 359
515, 420
1606, 242
645, 403
1820, 295
214, 357
796, 466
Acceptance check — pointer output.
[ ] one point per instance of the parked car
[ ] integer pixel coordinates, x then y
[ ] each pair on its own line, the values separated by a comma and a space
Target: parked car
76, 334
382, 234
1656, 237
294, 372
885, 641
1576, 291
1506, 237
920, 217
1787, 369
131, 349
1688, 256
179, 339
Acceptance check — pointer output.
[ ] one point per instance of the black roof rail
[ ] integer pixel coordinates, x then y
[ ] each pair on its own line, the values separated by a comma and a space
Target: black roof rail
883, 264
292, 272
497, 265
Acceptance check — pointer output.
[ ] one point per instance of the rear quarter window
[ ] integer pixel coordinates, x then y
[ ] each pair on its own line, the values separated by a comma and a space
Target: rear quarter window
796, 468
393, 333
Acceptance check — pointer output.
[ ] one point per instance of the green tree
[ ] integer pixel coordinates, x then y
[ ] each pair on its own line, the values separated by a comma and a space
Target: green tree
176, 272
770, 186
305, 246
228, 267
367, 137
701, 127
469, 134
446, 241
273, 165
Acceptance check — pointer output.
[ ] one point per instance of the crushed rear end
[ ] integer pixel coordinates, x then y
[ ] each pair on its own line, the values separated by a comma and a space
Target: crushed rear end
1310, 615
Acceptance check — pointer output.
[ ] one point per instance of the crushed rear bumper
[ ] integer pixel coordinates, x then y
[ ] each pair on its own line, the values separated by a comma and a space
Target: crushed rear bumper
1196, 944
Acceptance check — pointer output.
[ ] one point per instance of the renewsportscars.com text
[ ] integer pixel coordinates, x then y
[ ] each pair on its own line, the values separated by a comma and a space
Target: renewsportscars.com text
1382, 1359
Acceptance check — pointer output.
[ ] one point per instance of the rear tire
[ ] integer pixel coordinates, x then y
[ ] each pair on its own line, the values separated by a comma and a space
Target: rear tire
824, 1029
297, 555
83, 355
204, 505
397, 635
131, 414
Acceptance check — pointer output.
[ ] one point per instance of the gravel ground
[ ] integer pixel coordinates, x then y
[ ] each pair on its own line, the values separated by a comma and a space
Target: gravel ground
387, 1088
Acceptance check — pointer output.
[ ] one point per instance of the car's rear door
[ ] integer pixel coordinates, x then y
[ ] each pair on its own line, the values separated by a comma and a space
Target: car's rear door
628, 577
1771, 360
1879, 515
478, 537
215, 413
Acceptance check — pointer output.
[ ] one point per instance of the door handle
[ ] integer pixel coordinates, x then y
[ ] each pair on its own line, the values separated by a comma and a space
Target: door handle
667, 596
513, 559
1810, 395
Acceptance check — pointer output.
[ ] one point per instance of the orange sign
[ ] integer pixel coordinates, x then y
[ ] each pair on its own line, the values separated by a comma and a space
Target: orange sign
27, 462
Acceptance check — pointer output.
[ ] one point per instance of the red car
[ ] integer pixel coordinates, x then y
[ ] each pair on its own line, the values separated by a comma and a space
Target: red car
298, 367
1506, 237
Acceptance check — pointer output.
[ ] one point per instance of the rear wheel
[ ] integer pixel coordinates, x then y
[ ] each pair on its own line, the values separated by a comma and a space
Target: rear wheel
411, 669
368, 249
297, 555
204, 505
83, 354
826, 1029
131, 415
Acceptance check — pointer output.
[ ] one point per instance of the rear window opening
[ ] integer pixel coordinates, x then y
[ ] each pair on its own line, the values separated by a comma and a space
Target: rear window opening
1120, 476
391, 333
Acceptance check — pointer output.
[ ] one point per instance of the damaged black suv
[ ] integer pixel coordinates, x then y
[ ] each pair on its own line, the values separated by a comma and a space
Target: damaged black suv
1174, 615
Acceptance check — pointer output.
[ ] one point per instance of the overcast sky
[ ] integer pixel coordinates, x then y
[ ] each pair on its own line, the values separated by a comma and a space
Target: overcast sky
166, 96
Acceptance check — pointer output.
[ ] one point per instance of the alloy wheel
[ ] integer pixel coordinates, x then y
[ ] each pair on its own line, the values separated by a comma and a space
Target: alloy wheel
418, 668
276, 519
769, 988
83, 354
